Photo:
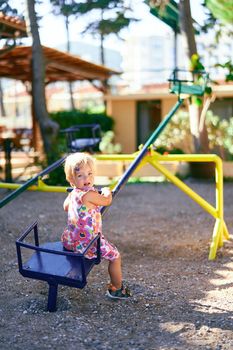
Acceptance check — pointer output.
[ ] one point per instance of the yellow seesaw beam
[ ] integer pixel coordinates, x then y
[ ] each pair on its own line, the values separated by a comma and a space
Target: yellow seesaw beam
41, 186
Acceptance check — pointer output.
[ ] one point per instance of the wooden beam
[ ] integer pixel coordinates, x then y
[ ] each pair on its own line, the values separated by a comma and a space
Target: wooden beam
83, 72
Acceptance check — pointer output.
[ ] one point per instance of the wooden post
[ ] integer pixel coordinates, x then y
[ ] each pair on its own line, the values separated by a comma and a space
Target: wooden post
7, 149
37, 140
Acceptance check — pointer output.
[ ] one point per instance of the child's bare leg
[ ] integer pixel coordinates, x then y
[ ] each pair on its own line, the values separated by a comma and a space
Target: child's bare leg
114, 269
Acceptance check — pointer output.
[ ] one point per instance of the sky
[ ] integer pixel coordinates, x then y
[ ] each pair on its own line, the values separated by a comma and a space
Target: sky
53, 34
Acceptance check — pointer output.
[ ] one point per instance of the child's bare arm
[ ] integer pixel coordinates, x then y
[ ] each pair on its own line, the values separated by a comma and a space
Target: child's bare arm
66, 203
94, 198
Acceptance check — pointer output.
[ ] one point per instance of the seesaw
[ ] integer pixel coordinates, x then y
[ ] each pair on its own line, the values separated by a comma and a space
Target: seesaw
51, 263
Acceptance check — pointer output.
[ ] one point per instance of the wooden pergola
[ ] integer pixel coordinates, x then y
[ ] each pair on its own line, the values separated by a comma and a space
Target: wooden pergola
16, 62
59, 66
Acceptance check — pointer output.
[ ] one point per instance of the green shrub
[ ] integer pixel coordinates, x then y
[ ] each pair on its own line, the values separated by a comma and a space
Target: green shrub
177, 135
220, 133
107, 145
66, 119
164, 150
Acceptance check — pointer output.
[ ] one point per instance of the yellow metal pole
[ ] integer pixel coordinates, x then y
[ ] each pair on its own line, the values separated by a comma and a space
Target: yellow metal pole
13, 186
186, 157
219, 200
160, 157
215, 239
225, 231
47, 188
115, 156
40, 187
219, 187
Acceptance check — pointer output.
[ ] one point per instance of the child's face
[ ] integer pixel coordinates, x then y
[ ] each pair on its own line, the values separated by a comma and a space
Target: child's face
84, 177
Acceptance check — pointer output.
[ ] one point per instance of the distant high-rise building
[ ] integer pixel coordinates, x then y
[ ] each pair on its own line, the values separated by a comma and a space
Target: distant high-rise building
148, 60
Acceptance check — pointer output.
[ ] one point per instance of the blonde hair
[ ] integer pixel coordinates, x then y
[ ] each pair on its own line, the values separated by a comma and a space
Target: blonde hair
74, 161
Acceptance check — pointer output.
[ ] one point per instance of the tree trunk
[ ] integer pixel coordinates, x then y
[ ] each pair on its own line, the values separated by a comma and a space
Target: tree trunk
200, 135
2, 107
198, 130
186, 26
105, 86
48, 128
72, 105
102, 58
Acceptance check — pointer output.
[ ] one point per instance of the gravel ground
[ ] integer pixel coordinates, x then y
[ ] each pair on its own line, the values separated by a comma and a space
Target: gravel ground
180, 299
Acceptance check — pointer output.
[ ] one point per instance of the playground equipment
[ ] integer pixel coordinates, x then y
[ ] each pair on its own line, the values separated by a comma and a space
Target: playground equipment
38, 266
153, 158
76, 268
183, 82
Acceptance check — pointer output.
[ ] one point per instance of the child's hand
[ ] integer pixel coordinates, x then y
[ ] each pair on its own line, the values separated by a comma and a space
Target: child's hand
66, 203
103, 197
105, 191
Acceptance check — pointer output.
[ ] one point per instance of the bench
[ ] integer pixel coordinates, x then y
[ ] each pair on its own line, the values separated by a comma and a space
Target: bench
49, 262
76, 142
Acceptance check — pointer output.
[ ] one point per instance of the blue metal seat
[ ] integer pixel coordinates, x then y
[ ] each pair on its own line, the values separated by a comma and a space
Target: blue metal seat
77, 143
51, 263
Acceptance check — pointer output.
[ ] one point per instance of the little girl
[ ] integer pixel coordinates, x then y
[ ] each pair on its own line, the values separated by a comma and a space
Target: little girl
83, 205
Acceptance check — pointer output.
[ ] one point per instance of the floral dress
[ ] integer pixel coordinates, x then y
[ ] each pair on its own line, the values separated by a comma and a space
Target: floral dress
83, 225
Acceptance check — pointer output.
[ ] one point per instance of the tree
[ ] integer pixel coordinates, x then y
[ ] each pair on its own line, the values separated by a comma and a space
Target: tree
64, 8
197, 127
48, 128
111, 16
220, 17
5, 7
221, 9
196, 107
